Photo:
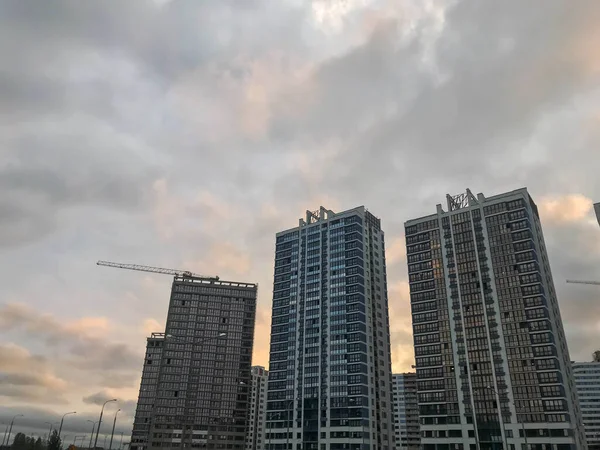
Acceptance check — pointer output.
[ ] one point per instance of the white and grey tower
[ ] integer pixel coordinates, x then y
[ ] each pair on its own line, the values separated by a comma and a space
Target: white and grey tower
493, 368
587, 381
330, 373
255, 433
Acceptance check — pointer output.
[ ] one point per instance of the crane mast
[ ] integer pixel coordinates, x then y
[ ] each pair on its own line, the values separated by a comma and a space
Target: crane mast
152, 269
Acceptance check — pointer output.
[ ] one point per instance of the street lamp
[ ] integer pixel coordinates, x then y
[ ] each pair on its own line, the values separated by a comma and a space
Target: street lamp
100, 420
113, 429
5, 433
62, 420
93, 428
517, 417
7, 437
50, 431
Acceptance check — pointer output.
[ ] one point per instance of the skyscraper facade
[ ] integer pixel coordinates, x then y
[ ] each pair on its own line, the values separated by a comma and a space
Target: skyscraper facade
493, 368
255, 434
587, 381
330, 374
406, 411
196, 375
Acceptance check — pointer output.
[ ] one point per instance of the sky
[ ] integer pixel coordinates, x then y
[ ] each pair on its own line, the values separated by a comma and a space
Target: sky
185, 134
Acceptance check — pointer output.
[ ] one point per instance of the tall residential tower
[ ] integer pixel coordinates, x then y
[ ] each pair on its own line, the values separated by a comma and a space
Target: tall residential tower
491, 354
196, 376
330, 374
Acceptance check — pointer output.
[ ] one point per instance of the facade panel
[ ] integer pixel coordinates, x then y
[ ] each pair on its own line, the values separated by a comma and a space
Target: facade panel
493, 368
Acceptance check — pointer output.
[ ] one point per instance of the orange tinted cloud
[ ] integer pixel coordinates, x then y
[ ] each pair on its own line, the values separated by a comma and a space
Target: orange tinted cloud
564, 209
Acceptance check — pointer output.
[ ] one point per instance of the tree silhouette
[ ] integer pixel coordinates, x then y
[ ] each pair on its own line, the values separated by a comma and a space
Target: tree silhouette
38, 445
20, 442
54, 443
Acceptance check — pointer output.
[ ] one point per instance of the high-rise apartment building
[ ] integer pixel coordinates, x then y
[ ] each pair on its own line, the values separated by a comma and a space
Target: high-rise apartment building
493, 368
330, 374
597, 209
406, 411
196, 375
587, 381
255, 434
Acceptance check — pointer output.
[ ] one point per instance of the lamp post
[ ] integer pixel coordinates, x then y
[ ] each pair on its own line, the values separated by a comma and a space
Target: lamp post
113, 429
517, 417
50, 430
10, 429
62, 420
93, 428
100, 420
5, 433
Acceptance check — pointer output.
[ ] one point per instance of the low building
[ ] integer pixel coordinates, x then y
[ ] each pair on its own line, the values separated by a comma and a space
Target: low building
406, 411
587, 382
255, 436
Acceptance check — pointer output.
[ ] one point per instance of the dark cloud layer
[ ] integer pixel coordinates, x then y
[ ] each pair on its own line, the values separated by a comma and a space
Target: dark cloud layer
186, 133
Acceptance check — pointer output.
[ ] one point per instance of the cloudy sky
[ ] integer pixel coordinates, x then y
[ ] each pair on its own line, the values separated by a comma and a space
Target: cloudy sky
186, 133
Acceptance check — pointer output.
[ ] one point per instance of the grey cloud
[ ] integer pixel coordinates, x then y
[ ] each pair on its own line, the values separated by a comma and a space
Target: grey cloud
98, 398
29, 378
96, 356
22, 379
495, 88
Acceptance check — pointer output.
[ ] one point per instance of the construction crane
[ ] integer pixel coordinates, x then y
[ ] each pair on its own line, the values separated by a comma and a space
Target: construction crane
151, 269
597, 283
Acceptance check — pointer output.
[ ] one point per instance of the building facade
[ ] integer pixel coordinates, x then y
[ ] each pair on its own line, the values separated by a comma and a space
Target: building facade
587, 381
255, 435
406, 411
147, 394
493, 368
330, 374
196, 376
